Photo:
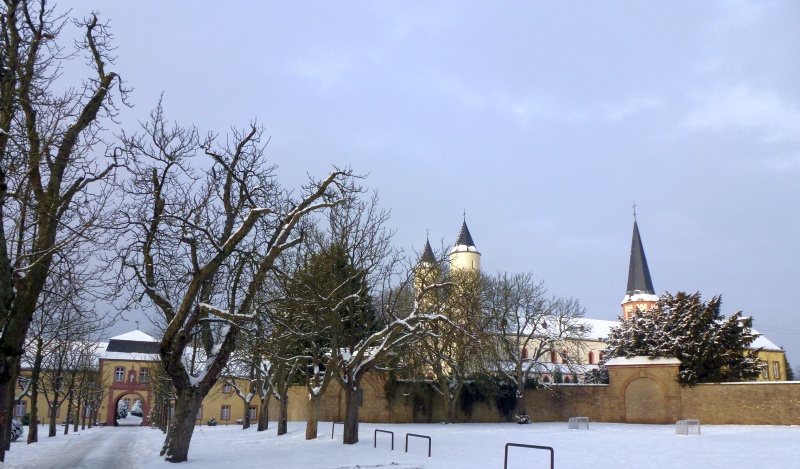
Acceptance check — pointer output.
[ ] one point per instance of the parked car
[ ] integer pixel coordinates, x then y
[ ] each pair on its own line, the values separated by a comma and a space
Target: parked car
16, 429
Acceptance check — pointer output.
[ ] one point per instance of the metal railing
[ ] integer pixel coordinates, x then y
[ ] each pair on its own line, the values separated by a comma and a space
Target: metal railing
519, 445
419, 436
375, 438
333, 426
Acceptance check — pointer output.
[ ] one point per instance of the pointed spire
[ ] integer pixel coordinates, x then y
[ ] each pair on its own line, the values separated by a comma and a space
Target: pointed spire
639, 280
427, 253
464, 238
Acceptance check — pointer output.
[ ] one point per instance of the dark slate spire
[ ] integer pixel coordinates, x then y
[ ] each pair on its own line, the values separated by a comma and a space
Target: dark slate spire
639, 280
464, 238
427, 254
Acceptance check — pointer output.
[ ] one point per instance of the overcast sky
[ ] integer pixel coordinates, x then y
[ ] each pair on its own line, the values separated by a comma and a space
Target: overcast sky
544, 121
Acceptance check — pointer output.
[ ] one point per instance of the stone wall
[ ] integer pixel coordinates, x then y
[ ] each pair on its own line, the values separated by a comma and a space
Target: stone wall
754, 403
637, 393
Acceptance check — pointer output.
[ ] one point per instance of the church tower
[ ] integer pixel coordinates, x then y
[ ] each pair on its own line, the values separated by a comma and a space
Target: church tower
464, 254
640, 292
427, 270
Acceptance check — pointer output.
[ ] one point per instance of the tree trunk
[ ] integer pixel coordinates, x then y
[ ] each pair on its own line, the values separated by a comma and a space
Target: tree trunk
8, 409
51, 428
69, 413
246, 419
350, 414
179, 435
33, 427
521, 406
283, 415
263, 415
312, 419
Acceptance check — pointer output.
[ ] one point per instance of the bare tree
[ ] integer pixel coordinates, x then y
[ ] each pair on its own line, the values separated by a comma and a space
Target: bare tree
365, 335
534, 332
455, 351
52, 187
201, 246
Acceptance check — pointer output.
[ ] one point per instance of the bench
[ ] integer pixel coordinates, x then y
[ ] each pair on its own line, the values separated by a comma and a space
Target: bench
575, 423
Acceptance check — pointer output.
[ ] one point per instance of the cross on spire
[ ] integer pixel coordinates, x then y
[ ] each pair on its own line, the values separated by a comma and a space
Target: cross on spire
634, 210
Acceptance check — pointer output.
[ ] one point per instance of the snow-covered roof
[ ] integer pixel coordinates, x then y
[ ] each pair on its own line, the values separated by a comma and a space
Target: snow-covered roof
597, 329
464, 243
763, 342
135, 336
634, 361
133, 345
106, 355
639, 296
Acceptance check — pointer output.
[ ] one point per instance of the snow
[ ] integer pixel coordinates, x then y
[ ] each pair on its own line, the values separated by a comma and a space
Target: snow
135, 336
640, 296
604, 445
634, 361
763, 342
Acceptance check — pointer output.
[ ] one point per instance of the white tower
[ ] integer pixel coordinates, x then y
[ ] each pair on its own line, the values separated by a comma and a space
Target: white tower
464, 254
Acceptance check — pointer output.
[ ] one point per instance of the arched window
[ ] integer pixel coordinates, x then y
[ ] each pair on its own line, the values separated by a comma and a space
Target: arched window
591, 358
524, 352
567, 379
546, 379
554, 356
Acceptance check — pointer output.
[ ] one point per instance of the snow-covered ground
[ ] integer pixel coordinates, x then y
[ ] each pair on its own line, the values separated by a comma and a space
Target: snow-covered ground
454, 446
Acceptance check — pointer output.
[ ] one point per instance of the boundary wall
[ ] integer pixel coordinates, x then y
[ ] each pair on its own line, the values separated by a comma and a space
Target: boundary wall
637, 393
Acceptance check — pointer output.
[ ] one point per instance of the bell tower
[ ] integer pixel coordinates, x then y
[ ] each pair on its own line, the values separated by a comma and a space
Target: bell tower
427, 270
640, 294
465, 255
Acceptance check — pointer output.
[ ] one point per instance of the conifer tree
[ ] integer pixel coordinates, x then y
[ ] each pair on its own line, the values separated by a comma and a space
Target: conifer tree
710, 347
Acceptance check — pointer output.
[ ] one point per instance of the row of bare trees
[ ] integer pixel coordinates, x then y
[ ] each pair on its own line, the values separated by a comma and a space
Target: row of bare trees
297, 286
55, 167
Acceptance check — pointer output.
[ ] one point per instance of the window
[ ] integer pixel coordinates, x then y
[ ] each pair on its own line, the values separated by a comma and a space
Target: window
565, 356
87, 411
225, 414
199, 415
764, 370
524, 352
546, 379
144, 375
591, 358
567, 379
21, 408
119, 373
226, 388
22, 381
50, 410
776, 370
554, 356
171, 411
251, 412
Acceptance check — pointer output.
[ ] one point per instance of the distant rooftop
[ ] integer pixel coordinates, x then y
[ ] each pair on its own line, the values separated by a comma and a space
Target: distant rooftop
135, 336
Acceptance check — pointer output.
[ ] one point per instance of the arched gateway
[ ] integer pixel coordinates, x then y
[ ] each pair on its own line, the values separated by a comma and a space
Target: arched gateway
126, 364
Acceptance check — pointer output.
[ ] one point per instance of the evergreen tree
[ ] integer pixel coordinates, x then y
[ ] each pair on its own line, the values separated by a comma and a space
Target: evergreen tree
710, 347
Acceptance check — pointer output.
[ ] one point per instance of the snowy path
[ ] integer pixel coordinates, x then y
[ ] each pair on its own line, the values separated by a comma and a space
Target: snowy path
107, 448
